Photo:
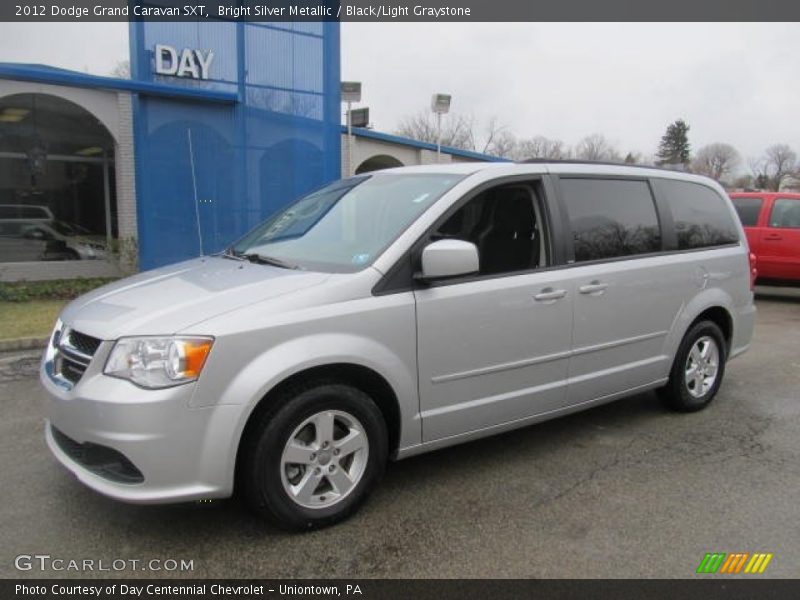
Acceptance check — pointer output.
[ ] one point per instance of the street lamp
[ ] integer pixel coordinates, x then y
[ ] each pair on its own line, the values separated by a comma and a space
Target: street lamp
440, 104
351, 92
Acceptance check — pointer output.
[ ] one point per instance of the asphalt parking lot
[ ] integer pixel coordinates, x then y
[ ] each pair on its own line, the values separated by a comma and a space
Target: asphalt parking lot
624, 490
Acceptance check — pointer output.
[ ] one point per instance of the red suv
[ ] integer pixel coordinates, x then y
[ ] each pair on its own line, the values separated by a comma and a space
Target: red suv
772, 223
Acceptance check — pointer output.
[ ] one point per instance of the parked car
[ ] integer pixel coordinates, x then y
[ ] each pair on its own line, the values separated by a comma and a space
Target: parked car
31, 240
772, 223
391, 314
86, 244
26, 211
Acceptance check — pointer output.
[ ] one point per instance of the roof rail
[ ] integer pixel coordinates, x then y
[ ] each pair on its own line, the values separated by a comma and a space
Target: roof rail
574, 161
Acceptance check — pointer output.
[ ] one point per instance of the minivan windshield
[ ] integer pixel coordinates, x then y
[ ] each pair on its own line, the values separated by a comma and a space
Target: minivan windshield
343, 227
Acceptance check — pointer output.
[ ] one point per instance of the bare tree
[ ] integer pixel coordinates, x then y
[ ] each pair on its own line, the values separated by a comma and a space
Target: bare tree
541, 147
503, 143
497, 139
716, 160
121, 70
759, 171
775, 168
596, 147
781, 164
743, 183
458, 130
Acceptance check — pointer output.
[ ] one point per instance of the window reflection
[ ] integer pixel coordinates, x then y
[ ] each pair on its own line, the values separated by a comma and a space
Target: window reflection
57, 192
611, 217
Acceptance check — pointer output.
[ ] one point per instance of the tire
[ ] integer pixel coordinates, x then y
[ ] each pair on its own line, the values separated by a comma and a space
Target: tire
685, 393
295, 475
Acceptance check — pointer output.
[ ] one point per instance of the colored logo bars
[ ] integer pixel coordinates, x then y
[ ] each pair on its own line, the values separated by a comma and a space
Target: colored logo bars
720, 562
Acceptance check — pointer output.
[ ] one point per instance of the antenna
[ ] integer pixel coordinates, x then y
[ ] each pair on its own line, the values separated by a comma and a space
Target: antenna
194, 185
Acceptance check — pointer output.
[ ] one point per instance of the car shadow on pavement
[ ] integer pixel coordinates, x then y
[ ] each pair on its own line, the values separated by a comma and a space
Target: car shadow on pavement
532, 445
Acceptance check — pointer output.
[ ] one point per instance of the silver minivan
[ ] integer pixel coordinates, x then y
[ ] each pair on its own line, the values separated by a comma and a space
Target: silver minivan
390, 314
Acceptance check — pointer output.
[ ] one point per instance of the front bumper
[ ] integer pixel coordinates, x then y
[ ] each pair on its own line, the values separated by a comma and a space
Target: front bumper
181, 453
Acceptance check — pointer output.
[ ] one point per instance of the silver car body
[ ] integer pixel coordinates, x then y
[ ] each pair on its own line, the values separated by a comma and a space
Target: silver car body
462, 361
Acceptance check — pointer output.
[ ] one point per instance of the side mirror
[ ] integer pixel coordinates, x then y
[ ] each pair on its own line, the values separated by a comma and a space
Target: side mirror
449, 258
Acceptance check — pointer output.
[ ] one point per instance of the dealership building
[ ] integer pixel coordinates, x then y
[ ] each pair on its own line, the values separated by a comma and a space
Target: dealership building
220, 124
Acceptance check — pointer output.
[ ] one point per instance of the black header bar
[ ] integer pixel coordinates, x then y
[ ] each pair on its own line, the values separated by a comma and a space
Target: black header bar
712, 587
399, 11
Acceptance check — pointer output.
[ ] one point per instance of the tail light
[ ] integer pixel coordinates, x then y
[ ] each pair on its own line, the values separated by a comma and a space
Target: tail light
753, 270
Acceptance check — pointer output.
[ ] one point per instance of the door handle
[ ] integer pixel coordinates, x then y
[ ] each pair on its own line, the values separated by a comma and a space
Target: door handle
773, 236
549, 294
594, 287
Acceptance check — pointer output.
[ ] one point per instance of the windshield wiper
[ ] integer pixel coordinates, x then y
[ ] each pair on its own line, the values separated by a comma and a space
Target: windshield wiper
231, 253
269, 260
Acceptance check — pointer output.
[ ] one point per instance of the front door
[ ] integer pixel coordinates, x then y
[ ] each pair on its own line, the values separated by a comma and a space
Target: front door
494, 348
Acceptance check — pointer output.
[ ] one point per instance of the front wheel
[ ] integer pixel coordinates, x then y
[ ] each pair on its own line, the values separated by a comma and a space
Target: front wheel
698, 369
314, 461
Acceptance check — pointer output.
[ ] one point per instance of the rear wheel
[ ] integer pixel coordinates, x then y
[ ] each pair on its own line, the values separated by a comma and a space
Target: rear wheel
314, 461
698, 368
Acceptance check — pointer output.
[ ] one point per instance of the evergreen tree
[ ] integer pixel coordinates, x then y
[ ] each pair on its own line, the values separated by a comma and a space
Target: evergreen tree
674, 148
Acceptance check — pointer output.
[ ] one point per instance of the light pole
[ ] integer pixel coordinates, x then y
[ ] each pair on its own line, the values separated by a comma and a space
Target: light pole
351, 92
440, 104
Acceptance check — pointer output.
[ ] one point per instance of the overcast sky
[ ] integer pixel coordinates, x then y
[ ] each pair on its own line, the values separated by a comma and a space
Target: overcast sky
735, 83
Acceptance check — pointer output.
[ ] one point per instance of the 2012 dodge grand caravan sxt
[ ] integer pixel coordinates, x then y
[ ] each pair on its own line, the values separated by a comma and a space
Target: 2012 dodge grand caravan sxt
391, 314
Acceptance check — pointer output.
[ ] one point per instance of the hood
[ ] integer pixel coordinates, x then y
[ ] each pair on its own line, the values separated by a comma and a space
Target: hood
169, 300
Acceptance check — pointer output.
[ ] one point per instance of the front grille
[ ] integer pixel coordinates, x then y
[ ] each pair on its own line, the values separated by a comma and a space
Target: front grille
71, 370
85, 343
73, 354
100, 460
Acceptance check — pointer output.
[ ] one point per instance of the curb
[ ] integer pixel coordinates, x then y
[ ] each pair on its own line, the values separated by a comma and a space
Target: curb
29, 343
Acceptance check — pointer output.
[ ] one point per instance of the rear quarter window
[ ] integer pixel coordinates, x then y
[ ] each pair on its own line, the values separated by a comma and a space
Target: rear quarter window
701, 216
748, 210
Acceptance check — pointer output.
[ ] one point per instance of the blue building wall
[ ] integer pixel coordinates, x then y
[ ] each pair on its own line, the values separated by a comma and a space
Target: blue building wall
267, 132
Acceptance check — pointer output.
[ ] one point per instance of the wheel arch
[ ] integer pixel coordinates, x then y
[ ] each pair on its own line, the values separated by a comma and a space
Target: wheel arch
358, 376
720, 316
714, 304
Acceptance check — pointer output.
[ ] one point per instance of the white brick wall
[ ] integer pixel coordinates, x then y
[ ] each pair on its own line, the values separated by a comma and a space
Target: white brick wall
126, 184
125, 169
365, 148
428, 157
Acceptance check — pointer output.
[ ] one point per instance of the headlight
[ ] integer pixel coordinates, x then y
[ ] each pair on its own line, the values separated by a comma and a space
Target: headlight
55, 337
158, 362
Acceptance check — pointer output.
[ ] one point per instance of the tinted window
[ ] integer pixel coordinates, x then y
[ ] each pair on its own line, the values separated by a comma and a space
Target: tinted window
611, 217
785, 213
748, 210
701, 217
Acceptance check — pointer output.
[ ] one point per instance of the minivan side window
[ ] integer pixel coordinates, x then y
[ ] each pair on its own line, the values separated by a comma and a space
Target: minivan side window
785, 213
700, 215
610, 217
506, 224
748, 210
